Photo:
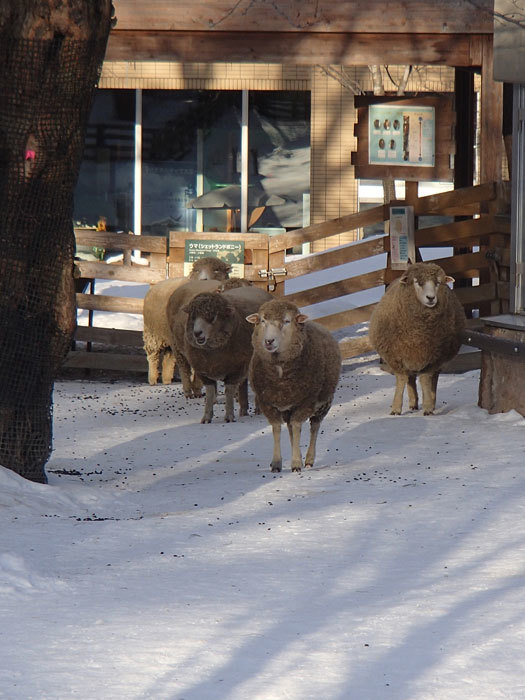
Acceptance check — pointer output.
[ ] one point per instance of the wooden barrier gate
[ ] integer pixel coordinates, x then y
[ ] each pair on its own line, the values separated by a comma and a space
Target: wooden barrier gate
479, 234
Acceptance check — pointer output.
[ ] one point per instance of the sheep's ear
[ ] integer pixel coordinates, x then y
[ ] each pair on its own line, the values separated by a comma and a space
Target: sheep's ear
404, 278
301, 318
449, 279
253, 318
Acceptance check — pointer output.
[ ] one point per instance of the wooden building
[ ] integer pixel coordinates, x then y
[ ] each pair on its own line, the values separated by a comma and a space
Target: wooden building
322, 49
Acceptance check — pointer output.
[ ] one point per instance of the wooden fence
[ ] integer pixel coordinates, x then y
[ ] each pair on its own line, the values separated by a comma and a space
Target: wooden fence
478, 234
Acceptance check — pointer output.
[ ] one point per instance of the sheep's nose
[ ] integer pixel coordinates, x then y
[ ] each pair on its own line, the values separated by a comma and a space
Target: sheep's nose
430, 299
269, 343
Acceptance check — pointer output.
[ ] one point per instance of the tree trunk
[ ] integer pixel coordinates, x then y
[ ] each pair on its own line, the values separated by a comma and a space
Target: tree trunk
50, 58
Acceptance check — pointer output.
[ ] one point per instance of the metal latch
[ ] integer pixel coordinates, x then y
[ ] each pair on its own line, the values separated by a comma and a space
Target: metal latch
271, 274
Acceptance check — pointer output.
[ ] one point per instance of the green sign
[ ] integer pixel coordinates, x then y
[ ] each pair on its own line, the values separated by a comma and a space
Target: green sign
229, 251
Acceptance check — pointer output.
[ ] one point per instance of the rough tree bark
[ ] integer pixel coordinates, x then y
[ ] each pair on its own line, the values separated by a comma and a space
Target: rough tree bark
51, 52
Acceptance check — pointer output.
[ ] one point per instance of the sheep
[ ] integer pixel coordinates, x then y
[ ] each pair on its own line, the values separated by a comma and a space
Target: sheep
294, 371
157, 332
415, 328
211, 335
234, 282
156, 335
210, 268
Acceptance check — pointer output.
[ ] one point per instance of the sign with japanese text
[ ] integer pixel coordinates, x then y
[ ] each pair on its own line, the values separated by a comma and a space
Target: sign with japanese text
229, 251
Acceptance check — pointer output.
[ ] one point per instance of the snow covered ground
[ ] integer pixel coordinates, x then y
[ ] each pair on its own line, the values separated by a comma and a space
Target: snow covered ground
164, 561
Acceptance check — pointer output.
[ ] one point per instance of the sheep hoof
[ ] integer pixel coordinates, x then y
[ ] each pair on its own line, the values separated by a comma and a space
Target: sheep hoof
296, 469
395, 413
205, 420
229, 419
275, 467
428, 412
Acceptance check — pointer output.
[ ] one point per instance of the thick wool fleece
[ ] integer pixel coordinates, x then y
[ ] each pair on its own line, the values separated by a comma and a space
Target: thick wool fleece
410, 337
157, 334
299, 382
227, 353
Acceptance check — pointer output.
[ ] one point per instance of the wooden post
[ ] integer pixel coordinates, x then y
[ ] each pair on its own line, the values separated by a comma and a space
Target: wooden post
491, 128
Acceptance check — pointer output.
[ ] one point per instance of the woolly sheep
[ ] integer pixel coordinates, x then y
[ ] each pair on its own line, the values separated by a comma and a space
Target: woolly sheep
294, 371
156, 334
211, 335
416, 329
210, 268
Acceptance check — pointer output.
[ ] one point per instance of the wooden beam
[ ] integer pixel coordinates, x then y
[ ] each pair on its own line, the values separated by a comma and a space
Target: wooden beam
491, 127
127, 273
121, 241
106, 360
349, 222
290, 48
347, 318
104, 302
341, 288
307, 16
340, 256
109, 336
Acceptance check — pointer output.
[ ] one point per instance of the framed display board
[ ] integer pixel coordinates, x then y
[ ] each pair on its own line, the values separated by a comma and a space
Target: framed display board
404, 138
228, 250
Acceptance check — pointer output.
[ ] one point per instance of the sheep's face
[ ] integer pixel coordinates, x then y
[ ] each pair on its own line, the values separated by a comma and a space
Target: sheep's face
210, 268
210, 321
279, 327
426, 279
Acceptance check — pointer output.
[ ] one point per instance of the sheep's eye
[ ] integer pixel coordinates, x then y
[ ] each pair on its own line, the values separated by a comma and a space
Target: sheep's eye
286, 322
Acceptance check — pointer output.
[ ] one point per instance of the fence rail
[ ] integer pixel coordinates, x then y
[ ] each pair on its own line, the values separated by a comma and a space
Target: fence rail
479, 238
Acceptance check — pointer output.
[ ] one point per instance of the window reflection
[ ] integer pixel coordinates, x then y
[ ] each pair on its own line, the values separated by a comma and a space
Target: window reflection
105, 183
187, 134
191, 145
279, 138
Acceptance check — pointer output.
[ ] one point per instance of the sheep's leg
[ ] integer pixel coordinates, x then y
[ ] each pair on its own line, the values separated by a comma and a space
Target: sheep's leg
196, 384
315, 424
211, 395
277, 462
397, 403
168, 366
294, 429
243, 398
185, 374
229, 395
429, 387
412, 393
153, 366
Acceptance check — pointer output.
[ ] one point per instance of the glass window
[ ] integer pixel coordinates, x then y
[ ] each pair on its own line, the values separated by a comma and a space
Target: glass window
105, 183
189, 137
279, 145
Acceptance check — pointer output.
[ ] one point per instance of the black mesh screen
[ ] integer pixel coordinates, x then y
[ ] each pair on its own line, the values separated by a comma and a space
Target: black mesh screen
46, 88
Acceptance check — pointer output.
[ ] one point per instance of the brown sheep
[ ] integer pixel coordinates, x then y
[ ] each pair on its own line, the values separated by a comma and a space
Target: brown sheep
211, 335
294, 371
415, 328
156, 332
